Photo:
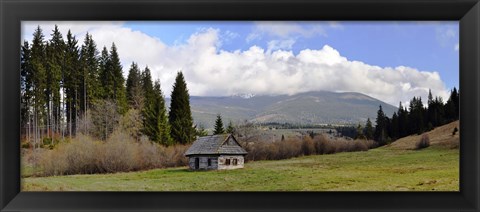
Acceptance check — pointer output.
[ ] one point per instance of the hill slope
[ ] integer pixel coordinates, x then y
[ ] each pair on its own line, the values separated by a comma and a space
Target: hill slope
319, 107
440, 136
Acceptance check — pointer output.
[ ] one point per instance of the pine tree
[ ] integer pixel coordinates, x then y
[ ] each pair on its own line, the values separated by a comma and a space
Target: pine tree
180, 116
71, 82
105, 74
147, 86
402, 121
90, 86
360, 134
112, 78
416, 120
135, 96
452, 109
156, 124
119, 82
394, 127
218, 126
55, 71
369, 130
37, 80
26, 85
380, 134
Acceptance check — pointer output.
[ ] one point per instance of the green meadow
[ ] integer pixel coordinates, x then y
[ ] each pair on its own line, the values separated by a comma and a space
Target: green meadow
382, 169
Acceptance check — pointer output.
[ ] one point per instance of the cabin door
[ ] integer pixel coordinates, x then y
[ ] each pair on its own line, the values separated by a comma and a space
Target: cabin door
197, 163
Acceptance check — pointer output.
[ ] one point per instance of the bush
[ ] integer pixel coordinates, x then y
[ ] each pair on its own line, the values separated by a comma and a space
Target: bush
120, 153
294, 147
424, 142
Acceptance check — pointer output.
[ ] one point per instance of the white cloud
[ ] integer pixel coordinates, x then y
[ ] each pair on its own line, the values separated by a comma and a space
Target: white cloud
280, 44
282, 29
457, 47
209, 70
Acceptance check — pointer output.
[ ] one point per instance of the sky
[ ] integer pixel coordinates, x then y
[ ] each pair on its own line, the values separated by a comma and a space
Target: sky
390, 61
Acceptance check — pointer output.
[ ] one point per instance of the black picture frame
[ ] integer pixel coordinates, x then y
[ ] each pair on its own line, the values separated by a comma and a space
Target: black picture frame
12, 12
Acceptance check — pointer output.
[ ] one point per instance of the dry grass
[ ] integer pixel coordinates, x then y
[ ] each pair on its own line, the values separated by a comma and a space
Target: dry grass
440, 136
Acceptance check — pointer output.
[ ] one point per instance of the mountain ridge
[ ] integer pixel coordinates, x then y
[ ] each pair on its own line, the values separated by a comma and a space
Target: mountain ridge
309, 108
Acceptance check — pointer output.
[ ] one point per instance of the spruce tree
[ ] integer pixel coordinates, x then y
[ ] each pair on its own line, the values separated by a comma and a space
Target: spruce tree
119, 91
90, 86
380, 134
135, 96
369, 129
71, 81
180, 116
39, 78
394, 127
156, 124
55, 72
25, 86
105, 74
147, 86
218, 126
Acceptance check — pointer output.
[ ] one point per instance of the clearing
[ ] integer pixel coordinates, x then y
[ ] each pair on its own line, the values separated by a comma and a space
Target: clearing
390, 168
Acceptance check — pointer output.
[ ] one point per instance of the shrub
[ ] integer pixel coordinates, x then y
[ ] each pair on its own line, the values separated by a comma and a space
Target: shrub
120, 153
308, 147
294, 147
424, 142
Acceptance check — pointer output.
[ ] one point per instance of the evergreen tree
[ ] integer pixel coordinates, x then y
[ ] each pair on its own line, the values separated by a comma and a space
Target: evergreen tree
105, 74
394, 127
180, 116
90, 86
25, 87
147, 86
72, 84
112, 78
360, 134
135, 96
218, 126
452, 109
416, 120
230, 129
54, 66
380, 134
38, 79
119, 82
402, 121
156, 125
369, 130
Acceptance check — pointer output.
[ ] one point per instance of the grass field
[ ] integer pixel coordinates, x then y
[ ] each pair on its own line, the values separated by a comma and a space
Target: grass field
382, 169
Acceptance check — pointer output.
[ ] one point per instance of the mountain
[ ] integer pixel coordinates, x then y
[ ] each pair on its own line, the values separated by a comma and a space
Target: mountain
318, 107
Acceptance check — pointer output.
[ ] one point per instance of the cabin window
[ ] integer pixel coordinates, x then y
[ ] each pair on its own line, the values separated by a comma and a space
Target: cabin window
234, 162
209, 162
227, 162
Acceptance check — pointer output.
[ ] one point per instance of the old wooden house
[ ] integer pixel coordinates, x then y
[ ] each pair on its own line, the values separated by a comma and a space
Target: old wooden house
216, 152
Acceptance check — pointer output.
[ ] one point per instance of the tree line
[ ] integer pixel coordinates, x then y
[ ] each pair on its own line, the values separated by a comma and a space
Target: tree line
69, 88
415, 119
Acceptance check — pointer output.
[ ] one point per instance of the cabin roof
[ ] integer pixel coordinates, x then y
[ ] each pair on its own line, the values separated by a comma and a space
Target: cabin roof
215, 145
